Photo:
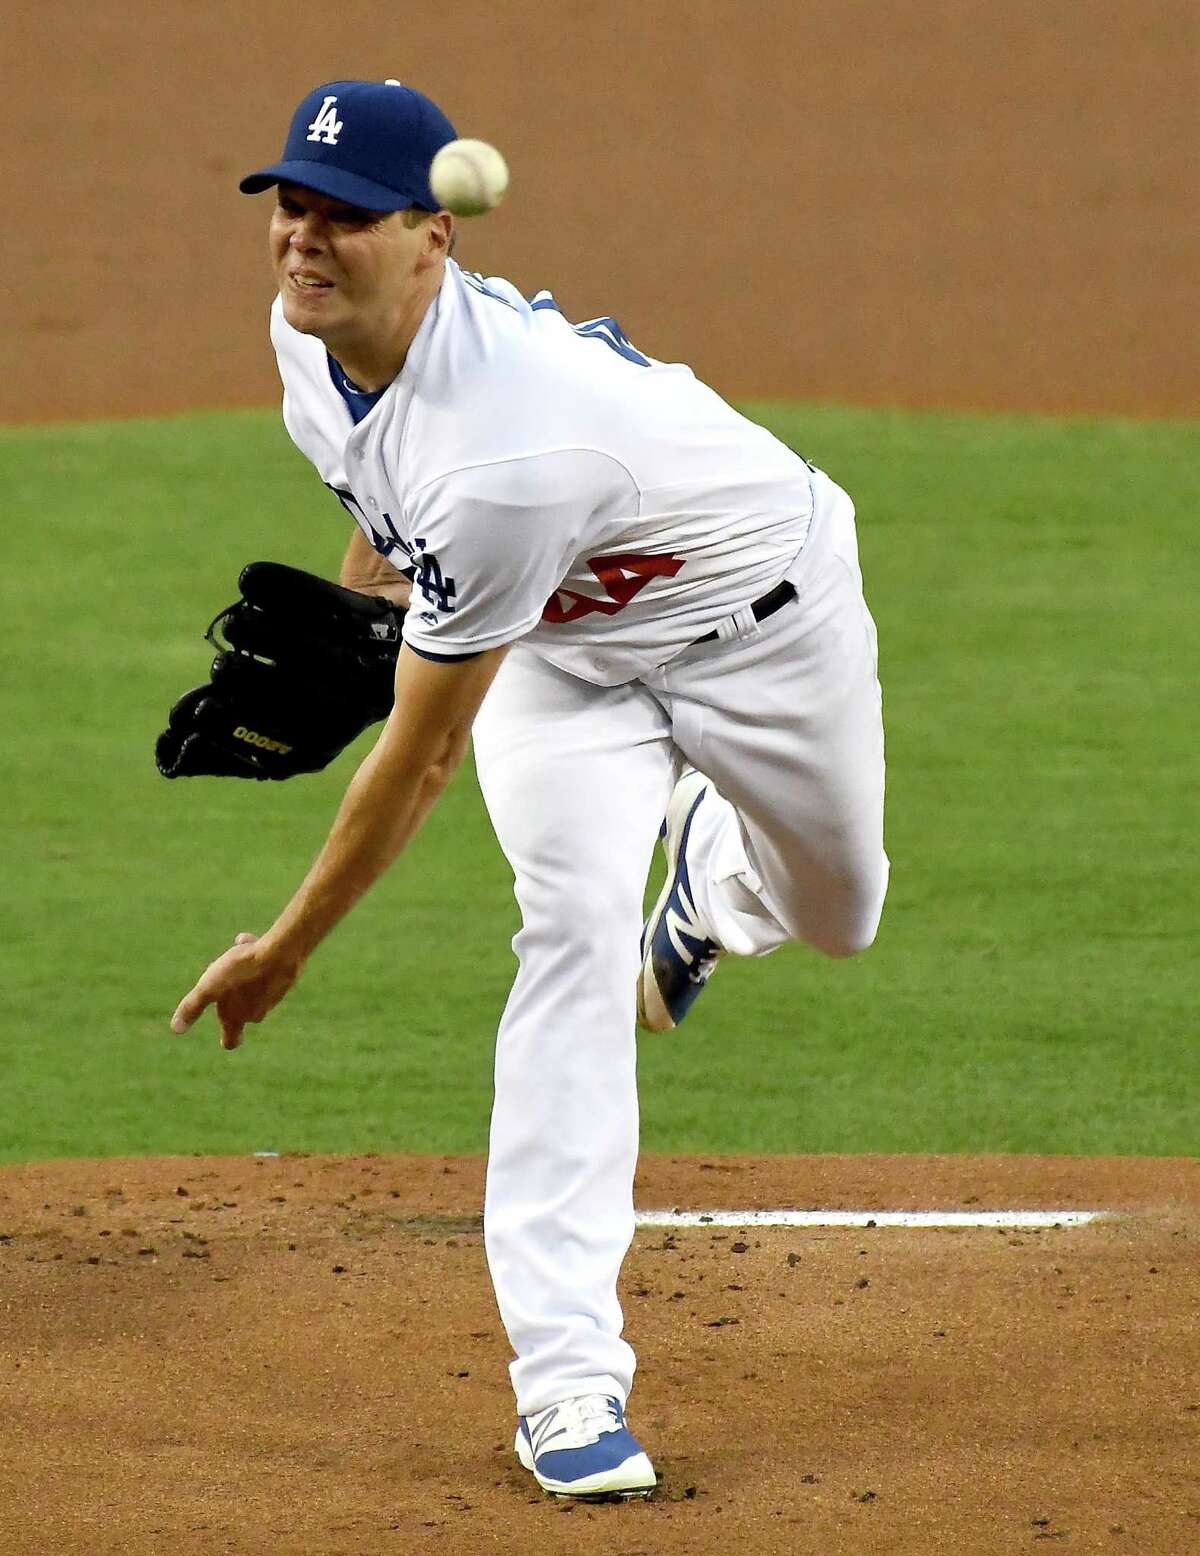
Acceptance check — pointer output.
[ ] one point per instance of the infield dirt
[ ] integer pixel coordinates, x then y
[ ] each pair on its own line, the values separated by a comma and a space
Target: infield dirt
933, 204
301, 1357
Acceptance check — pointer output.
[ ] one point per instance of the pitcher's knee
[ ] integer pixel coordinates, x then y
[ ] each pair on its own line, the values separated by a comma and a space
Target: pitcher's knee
848, 920
592, 924
842, 941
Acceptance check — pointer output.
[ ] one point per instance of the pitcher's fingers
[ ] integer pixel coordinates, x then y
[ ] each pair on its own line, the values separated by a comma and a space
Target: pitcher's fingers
231, 1032
190, 1008
245, 938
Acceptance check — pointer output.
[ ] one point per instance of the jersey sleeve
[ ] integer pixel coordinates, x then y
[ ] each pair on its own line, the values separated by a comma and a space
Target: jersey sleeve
491, 544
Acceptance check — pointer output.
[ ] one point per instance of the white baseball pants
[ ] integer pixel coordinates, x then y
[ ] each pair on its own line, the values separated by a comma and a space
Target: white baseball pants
786, 721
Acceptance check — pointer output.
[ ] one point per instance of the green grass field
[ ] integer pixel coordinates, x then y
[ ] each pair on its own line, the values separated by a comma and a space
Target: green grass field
1033, 987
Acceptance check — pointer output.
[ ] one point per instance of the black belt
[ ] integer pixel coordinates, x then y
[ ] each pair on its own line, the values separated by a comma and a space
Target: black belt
761, 609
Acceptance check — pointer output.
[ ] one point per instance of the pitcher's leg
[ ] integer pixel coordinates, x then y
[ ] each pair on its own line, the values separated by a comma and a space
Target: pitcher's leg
763, 878
788, 724
575, 778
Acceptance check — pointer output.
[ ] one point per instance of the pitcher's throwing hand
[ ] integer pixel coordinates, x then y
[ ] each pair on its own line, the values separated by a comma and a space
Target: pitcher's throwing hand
242, 984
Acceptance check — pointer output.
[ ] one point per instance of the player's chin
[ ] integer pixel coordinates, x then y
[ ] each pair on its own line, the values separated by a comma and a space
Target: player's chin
309, 310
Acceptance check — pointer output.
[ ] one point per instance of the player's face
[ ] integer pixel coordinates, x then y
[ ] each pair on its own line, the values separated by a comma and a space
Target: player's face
344, 272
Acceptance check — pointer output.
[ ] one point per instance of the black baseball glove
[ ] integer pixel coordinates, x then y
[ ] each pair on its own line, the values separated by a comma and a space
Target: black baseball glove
302, 667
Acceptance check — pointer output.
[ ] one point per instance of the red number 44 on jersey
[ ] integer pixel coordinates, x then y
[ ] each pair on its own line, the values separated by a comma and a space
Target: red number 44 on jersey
623, 575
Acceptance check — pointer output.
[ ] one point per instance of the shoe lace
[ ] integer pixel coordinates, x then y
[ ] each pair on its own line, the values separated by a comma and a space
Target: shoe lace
590, 1415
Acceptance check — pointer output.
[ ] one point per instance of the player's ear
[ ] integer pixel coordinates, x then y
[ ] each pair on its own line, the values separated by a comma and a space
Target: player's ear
439, 235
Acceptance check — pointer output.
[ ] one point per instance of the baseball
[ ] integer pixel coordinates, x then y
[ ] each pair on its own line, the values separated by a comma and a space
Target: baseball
468, 177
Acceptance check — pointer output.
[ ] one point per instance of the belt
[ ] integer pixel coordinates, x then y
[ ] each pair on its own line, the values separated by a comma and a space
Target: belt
761, 609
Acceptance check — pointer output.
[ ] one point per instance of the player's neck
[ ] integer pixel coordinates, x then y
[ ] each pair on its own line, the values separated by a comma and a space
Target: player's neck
372, 356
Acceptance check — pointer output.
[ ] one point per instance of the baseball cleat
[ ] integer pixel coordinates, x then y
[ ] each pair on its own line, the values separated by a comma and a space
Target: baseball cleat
678, 952
582, 1448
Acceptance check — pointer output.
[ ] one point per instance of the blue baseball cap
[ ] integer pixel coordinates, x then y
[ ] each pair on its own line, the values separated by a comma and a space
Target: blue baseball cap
368, 143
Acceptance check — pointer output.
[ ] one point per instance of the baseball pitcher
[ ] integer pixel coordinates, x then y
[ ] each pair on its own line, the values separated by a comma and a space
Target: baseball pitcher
641, 605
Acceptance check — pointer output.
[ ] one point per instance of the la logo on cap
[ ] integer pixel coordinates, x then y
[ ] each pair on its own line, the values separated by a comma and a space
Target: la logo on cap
326, 126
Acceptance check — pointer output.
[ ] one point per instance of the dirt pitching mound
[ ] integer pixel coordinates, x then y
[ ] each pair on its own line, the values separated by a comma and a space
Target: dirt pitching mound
302, 1355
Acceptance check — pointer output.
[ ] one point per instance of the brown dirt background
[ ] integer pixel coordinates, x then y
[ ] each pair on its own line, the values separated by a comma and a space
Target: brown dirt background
301, 1357
940, 202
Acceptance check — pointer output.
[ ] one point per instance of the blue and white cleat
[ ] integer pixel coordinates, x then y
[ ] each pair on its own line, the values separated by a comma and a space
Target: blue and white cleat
582, 1448
678, 953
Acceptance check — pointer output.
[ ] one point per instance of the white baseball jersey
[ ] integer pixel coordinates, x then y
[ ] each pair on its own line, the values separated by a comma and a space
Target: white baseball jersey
548, 482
